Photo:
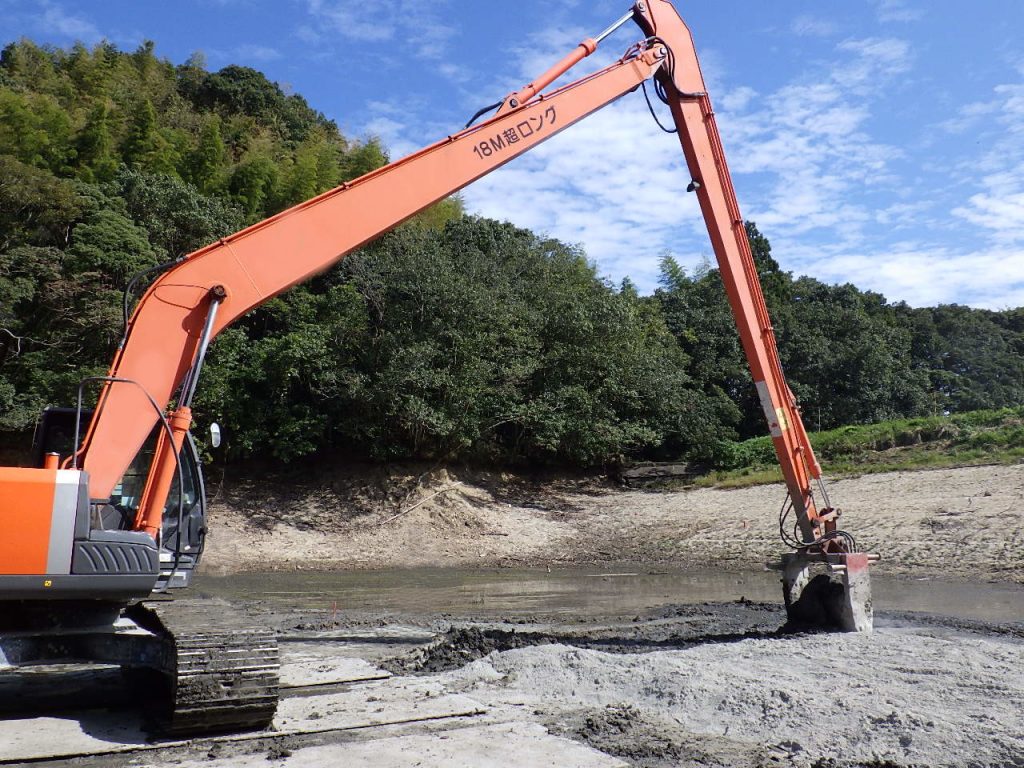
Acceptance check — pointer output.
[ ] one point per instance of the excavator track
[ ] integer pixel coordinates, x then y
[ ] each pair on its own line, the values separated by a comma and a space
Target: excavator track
211, 681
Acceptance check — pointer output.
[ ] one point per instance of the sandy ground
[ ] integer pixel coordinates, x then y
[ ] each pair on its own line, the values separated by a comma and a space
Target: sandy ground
714, 686
904, 696
959, 523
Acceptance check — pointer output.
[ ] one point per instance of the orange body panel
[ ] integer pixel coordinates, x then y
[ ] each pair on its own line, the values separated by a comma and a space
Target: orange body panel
26, 512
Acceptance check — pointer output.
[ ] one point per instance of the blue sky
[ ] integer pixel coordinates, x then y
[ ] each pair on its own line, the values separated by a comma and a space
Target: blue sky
878, 142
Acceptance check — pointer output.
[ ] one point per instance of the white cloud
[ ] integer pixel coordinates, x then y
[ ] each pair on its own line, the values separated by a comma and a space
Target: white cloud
897, 10
55, 19
969, 116
616, 184
418, 25
991, 277
809, 148
810, 26
352, 19
808, 165
1002, 215
738, 99
997, 207
903, 215
874, 58
392, 133
256, 53
613, 183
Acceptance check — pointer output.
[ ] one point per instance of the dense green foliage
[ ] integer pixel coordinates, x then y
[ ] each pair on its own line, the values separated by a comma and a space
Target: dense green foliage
850, 356
452, 337
479, 340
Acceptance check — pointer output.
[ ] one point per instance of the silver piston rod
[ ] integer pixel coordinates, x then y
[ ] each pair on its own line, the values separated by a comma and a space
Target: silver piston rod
188, 388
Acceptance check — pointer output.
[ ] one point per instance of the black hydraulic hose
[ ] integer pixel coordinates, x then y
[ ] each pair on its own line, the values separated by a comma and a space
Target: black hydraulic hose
131, 284
653, 113
484, 111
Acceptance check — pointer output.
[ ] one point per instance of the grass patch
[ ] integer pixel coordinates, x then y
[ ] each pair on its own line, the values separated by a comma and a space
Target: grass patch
958, 440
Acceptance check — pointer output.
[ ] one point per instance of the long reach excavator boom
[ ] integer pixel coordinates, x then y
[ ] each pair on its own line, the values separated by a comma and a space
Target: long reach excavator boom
65, 554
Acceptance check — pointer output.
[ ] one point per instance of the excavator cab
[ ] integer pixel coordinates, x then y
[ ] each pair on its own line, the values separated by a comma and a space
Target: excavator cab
183, 531
75, 572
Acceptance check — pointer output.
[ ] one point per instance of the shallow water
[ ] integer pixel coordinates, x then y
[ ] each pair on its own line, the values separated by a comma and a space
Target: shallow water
591, 592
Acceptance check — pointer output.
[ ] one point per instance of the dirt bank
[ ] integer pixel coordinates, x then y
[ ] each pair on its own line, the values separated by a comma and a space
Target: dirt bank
958, 523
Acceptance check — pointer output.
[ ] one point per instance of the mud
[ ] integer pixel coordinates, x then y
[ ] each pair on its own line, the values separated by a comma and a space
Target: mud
910, 694
708, 684
669, 628
584, 593
645, 740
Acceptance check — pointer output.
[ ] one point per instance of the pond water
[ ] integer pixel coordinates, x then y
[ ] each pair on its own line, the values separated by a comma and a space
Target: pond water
593, 591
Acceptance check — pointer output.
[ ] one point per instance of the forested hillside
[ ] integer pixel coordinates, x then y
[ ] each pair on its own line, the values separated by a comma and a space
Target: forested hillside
453, 337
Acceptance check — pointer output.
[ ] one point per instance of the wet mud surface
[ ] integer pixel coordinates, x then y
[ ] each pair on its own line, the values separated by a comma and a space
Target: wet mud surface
962, 523
674, 628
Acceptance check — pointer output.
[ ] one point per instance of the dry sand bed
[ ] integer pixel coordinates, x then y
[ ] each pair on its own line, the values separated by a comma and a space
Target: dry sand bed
961, 523
899, 697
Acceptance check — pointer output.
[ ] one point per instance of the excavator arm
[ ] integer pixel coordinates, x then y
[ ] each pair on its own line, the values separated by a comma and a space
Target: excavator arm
244, 270
184, 309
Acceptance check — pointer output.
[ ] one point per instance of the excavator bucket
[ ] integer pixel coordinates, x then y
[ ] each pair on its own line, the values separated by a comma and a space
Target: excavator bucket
837, 598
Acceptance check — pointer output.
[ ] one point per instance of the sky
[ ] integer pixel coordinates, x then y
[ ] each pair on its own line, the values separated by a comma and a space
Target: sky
878, 142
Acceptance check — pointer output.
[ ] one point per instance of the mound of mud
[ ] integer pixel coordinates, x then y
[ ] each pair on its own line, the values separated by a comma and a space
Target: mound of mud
673, 627
648, 741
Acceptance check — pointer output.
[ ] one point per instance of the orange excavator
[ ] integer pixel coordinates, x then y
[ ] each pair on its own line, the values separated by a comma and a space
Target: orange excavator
114, 511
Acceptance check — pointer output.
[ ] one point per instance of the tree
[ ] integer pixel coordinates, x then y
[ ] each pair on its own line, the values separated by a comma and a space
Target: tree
140, 143
846, 365
699, 317
255, 185
241, 90
109, 244
177, 218
35, 206
362, 158
207, 159
302, 179
774, 282
32, 68
34, 129
95, 146
89, 71
974, 356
